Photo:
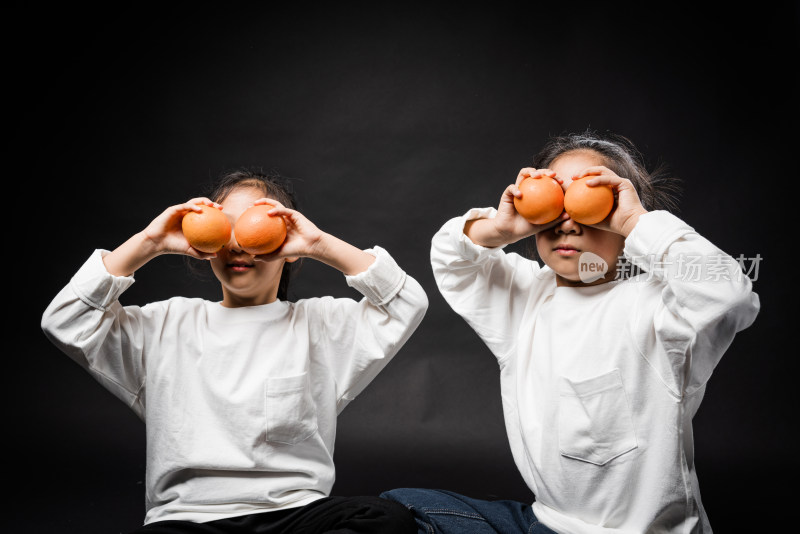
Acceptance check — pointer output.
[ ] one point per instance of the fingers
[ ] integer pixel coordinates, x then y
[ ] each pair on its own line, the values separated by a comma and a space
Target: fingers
278, 209
282, 211
604, 180
270, 256
541, 173
195, 203
524, 173
530, 172
268, 201
194, 253
615, 182
600, 175
555, 222
512, 191
277, 254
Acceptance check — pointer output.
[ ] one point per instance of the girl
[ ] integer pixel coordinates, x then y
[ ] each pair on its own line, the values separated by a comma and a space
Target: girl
240, 397
600, 375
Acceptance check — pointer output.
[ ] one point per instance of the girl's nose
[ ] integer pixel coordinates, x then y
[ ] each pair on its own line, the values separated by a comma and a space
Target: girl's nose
568, 227
233, 245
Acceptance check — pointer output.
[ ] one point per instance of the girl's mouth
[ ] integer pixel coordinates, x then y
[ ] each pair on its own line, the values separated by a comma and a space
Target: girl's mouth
566, 250
239, 266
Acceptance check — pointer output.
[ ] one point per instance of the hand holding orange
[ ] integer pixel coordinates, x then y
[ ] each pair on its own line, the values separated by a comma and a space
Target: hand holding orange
257, 232
542, 199
588, 204
207, 230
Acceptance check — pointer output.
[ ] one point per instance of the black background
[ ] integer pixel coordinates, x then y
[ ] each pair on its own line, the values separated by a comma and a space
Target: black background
391, 119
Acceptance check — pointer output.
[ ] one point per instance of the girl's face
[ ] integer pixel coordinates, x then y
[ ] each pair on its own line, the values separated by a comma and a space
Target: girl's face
564, 247
245, 280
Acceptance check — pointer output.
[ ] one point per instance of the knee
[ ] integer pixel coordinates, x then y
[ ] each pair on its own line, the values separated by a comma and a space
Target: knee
406, 496
418, 498
395, 517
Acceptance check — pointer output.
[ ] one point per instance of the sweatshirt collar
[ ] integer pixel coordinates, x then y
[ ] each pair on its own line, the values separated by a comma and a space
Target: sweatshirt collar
264, 312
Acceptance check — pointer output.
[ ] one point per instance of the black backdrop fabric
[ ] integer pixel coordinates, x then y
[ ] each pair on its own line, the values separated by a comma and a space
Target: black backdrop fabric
390, 119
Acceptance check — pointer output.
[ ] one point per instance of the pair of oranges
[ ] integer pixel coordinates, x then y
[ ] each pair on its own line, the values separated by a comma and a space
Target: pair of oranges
543, 200
256, 231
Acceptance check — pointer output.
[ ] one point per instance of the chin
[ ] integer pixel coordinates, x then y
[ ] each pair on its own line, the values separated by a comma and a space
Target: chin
564, 281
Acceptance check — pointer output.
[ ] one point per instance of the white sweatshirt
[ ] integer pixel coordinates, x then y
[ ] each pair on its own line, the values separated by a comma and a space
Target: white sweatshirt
240, 404
599, 384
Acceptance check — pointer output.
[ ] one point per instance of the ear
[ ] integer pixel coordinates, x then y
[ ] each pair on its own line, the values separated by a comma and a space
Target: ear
291, 260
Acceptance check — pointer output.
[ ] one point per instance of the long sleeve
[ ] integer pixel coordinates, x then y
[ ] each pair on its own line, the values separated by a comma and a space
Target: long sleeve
86, 321
705, 297
359, 338
489, 288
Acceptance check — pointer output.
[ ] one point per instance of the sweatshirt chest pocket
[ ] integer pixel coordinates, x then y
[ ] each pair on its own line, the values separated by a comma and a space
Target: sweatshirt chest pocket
290, 409
594, 419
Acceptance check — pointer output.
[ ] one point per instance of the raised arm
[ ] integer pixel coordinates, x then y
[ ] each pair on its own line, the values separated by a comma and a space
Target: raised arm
305, 239
359, 338
162, 236
86, 321
508, 226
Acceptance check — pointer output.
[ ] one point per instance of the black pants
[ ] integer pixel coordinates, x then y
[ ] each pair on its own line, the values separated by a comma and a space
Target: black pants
339, 515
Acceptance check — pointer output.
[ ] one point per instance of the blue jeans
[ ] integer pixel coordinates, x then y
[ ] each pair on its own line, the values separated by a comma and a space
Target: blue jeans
445, 512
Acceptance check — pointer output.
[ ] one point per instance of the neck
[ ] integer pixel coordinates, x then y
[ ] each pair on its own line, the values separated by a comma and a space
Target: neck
232, 300
566, 282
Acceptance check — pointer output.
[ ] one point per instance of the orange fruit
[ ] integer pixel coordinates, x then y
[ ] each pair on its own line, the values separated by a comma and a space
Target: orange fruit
586, 204
208, 230
542, 199
257, 232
